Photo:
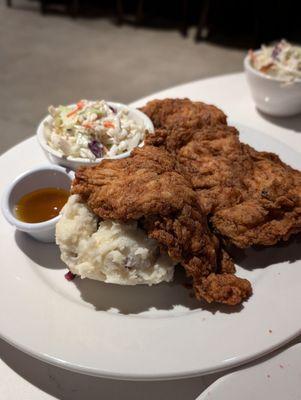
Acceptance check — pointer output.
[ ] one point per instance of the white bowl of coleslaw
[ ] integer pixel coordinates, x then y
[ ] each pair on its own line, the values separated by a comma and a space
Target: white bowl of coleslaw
88, 132
274, 77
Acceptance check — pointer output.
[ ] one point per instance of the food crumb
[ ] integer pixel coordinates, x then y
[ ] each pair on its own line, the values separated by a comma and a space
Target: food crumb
281, 366
69, 276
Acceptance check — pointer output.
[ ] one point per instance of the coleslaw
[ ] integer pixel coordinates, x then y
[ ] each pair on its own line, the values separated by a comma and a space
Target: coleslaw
92, 129
282, 61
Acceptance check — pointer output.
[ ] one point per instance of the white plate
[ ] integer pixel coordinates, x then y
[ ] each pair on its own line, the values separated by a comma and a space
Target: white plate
278, 378
140, 332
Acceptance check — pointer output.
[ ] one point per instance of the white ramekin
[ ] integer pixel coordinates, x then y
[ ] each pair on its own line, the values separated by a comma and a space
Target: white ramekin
271, 95
36, 178
73, 163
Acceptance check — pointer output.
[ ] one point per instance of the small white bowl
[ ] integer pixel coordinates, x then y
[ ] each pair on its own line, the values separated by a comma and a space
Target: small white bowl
37, 178
72, 162
271, 95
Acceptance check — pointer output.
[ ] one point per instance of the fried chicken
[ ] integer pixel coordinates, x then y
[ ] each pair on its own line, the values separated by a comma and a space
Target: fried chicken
251, 197
212, 158
176, 113
270, 210
148, 187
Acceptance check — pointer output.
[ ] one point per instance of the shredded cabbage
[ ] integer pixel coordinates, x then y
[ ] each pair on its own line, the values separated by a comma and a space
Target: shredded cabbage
282, 61
92, 129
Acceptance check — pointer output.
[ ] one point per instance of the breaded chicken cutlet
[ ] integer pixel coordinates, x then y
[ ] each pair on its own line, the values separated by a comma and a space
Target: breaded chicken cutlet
251, 197
270, 209
212, 158
177, 113
148, 187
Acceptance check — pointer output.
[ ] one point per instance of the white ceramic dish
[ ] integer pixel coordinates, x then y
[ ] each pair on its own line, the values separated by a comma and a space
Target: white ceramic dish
73, 163
36, 178
142, 332
277, 378
271, 95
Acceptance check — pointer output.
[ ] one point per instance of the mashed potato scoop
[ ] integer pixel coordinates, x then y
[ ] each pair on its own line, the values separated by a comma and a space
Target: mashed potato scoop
109, 251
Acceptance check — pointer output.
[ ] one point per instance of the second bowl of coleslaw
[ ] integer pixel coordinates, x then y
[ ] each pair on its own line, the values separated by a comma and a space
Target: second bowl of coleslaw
87, 132
274, 77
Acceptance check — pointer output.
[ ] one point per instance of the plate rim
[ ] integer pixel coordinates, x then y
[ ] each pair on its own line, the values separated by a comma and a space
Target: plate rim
261, 361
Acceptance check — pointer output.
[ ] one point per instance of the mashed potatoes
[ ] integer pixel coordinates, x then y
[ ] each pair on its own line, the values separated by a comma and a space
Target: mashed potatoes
109, 251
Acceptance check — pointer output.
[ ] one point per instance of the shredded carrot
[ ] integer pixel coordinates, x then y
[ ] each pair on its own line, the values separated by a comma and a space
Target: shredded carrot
79, 106
265, 68
108, 124
72, 112
88, 125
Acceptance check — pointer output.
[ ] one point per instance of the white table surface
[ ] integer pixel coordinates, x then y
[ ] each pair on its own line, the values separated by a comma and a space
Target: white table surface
23, 377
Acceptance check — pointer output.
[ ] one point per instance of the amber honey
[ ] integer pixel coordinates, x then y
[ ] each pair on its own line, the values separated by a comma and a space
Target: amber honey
41, 205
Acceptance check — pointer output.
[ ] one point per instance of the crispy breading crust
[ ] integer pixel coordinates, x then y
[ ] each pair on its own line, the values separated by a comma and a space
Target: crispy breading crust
212, 158
176, 113
147, 187
271, 207
252, 197
224, 287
